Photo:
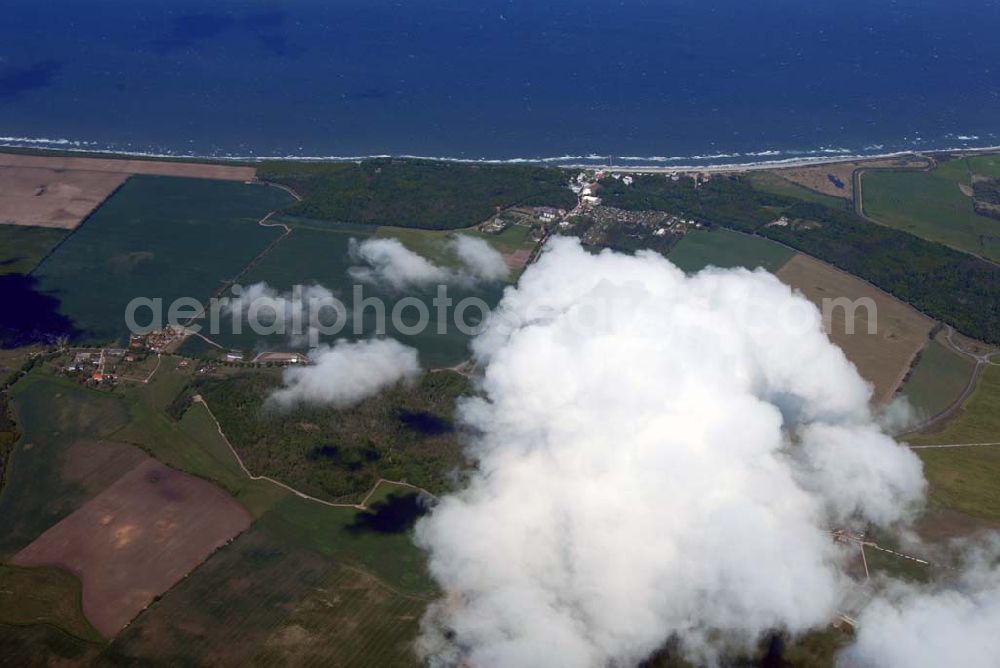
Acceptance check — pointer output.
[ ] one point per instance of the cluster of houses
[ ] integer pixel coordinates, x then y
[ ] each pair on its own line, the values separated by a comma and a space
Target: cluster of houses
99, 366
163, 340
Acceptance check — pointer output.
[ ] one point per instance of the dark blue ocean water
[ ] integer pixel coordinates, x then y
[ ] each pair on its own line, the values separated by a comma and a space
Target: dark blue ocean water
765, 79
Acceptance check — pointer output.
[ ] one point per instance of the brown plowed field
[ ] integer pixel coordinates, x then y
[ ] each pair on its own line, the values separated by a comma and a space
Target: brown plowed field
136, 539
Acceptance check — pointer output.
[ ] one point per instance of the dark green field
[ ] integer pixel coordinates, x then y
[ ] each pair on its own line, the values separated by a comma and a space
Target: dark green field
22, 248
319, 254
416, 193
157, 237
725, 248
932, 205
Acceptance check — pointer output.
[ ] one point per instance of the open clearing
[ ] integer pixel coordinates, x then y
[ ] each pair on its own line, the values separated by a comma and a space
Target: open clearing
837, 179
932, 205
965, 479
725, 248
937, 380
136, 539
883, 358
157, 238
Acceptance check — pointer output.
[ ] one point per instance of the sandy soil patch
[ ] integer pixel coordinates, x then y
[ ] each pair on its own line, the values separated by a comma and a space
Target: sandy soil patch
57, 191
45, 197
836, 179
882, 358
517, 260
153, 167
136, 539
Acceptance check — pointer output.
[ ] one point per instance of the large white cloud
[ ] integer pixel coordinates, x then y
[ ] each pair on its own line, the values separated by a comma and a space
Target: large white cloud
347, 372
659, 456
954, 624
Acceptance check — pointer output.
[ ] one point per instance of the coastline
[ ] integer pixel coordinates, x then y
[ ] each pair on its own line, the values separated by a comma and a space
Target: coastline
630, 164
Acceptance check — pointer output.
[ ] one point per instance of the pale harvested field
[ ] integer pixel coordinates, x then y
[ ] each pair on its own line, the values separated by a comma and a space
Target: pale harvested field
882, 358
44, 197
137, 539
59, 191
151, 167
818, 177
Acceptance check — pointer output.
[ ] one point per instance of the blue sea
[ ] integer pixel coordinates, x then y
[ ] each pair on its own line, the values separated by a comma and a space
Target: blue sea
629, 81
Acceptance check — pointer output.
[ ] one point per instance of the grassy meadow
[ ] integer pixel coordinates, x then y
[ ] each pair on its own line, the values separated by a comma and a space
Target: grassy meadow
22, 248
965, 479
725, 248
937, 380
933, 205
778, 185
49, 596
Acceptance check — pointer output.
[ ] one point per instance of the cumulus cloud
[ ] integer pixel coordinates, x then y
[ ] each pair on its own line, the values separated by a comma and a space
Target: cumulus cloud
480, 259
388, 262
659, 456
955, 624
347, 372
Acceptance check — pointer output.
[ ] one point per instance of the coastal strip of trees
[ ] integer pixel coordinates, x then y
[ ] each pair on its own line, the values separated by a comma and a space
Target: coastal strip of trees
426, 194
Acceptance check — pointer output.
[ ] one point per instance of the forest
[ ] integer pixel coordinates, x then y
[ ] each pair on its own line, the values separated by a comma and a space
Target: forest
416, 193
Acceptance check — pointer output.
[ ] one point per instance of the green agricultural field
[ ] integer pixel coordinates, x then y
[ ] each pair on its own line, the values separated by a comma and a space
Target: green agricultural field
416, 193
62, 459
435, 244
224, 610
405, 433
193, 443
303, 582
725, 248
352, 620
937, 380
932, 205
319, 254
965, 479
157, 237
772, 183
49, 596
343, 534
22, 248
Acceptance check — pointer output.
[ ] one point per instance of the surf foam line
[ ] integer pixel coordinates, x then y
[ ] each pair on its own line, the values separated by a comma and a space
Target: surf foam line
722, 161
